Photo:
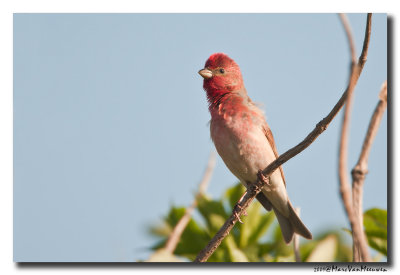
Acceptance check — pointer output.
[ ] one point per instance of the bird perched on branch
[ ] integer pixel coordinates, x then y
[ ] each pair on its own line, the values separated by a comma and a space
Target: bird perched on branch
244, 140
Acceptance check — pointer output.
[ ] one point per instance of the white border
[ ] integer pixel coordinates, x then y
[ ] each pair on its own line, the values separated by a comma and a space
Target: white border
8, 7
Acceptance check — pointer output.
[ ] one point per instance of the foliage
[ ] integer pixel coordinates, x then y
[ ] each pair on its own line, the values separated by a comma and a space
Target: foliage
258, 239
375, 223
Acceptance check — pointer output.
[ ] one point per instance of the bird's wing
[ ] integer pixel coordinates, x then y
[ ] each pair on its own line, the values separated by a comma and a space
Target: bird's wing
271, 141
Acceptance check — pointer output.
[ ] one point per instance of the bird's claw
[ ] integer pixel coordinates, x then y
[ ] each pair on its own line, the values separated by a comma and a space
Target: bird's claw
263, 178
236, 209
237, 217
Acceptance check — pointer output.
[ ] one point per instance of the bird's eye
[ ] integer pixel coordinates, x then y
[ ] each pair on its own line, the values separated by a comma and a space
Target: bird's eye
221, 71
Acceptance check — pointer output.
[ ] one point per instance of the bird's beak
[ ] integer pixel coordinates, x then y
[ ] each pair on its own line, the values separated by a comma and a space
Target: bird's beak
205, 73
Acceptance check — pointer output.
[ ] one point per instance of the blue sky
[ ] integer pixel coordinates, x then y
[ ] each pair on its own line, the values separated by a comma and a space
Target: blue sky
110, 120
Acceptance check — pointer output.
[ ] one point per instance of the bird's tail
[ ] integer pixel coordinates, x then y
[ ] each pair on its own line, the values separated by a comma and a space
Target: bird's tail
289, 225
292, 224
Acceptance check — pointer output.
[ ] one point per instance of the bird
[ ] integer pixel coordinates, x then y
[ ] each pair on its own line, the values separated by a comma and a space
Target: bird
244, 140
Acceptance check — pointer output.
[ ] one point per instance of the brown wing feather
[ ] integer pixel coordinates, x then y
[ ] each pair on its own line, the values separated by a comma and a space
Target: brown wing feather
271, 141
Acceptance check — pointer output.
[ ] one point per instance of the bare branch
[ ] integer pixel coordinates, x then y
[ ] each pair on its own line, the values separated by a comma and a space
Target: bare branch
346, 26
256, 187
358, 234
176, 233
343, 175
363, 57
373, 128
361, 169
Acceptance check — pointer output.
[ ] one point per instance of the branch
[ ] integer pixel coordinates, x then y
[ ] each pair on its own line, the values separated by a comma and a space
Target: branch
358, 234
367, 36
256, 187
347, 29
343, 175
361, 169
362, 163
176, 234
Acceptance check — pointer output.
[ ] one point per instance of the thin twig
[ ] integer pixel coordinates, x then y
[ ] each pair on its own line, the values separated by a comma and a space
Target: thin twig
176, 233
256, 187
367, 36
347, 29
343, 175
372, 129
361, 168
359, 242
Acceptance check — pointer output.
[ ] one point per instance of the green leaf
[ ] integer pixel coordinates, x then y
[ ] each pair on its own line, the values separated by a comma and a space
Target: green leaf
193, 239
161, 255
207, 207
267, 248
250, 222
252, 252
216, 221
235, 254
243, 243
378, 215
261, 228
344, 253
220, 255
276, 247
161, 230
306, 249
375, 223
234, 193
378, 244
176, 214
255, 224
325, 250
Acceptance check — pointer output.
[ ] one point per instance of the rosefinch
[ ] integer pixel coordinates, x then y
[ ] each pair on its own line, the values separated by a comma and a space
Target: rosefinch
244, 140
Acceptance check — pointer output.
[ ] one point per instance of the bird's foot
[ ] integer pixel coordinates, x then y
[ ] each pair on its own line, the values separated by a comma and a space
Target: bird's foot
237, 208
263, 178
236, 211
